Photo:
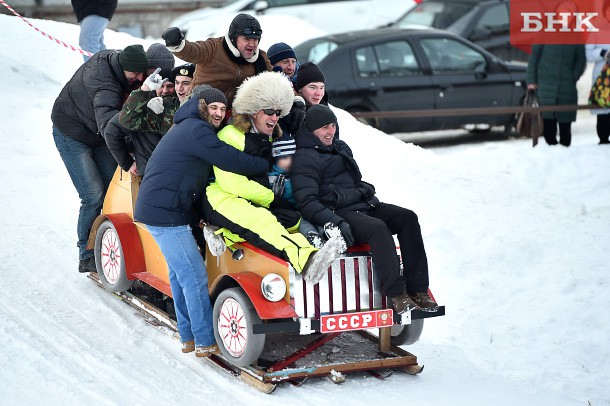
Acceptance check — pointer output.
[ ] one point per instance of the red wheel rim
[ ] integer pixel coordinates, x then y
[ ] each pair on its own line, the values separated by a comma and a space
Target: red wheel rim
110, 255
232, 327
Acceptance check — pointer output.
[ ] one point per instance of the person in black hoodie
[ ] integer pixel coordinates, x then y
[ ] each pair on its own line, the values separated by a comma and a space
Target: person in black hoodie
80, 116
328, 188
93, 16
176, 176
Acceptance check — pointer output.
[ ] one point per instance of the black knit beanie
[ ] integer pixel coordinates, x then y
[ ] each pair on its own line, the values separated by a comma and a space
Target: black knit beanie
209, 94
318, 116
133, 59
308, 73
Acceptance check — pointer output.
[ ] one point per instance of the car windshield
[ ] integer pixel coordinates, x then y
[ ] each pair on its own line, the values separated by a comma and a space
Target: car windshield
436, 14
315, 50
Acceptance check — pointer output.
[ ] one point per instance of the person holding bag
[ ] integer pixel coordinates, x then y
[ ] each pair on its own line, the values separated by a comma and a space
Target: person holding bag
553, 71
599, 54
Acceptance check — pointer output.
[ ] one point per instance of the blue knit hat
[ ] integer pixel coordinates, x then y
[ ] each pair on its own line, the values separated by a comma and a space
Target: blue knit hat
280, 51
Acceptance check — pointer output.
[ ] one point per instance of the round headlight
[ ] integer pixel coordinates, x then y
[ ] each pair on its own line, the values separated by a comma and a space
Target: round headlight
273, 287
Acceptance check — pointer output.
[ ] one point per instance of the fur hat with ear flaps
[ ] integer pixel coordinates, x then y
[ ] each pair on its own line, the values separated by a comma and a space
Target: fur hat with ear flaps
267, 90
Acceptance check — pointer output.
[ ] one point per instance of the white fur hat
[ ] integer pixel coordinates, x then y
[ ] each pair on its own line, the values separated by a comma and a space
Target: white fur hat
264, 91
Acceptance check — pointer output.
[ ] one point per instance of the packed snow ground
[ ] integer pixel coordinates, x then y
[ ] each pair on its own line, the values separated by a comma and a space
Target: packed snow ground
517, 240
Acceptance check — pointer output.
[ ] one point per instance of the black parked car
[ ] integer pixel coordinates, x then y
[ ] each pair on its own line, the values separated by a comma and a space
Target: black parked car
390, 69
484, 22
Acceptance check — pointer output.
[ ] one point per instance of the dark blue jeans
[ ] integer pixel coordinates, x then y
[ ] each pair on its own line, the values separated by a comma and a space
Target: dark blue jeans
188, 279
91, 171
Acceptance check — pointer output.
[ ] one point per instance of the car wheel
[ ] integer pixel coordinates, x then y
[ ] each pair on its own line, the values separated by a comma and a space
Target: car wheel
109, 259
407, 334
234, 316
373, 122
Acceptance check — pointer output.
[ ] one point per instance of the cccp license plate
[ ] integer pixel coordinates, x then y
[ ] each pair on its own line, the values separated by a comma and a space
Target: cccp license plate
334, 323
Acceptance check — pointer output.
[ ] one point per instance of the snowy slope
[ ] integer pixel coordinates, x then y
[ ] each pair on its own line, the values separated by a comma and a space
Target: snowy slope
517, 240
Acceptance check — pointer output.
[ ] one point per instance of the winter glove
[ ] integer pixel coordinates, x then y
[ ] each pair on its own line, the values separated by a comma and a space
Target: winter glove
346, 233
156, 105
154, 81
296, 116
280, 203
279, 185
173, 37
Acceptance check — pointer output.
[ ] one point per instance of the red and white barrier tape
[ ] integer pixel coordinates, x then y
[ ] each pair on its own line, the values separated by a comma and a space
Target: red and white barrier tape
60, 42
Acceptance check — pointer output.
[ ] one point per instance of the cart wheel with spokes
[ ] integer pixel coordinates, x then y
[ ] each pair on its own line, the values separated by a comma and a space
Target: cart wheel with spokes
407, 334
234, 316
109, 258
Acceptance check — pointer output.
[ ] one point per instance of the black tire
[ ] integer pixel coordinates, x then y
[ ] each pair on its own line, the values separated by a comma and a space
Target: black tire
407, 334
234, 315
109, 259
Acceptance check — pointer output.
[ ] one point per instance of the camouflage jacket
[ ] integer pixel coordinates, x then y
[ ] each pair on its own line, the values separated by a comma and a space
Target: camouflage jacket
137, 117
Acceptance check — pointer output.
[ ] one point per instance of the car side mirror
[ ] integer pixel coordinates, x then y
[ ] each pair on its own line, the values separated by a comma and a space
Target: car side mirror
480, 34
480, 70
260, 6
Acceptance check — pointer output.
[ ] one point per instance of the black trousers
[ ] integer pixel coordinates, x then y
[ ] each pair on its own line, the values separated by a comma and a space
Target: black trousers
550, 132
603, 128
376, 227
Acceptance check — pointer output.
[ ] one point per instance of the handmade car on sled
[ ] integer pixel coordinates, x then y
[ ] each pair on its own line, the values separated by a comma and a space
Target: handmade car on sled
259, 298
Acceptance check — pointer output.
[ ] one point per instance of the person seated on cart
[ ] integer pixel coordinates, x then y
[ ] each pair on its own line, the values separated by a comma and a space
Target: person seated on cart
223, 62
245, 206
176, 175
145, 118
282, 150
328, 187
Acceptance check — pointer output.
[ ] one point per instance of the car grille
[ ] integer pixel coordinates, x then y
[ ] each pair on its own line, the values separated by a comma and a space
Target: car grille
350, 285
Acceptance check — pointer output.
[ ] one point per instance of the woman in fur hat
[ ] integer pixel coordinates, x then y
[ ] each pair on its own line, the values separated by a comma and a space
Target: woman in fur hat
243, 205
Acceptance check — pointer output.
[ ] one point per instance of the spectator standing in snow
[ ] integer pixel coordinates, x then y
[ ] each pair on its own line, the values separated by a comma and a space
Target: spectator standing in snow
599, 54
223, 62
176, 176
80, 116
245, 206
553, 70
328, 187
93, 16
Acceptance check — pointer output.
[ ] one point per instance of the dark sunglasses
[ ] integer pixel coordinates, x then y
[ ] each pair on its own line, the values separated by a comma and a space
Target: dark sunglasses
251, 31
271, 112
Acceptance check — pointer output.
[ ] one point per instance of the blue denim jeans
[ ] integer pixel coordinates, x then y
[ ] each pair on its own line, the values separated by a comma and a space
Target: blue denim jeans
91, 171
91, 36
188, 279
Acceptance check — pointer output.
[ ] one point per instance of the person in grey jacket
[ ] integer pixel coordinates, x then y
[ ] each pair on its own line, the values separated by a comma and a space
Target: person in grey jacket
599, 54
553, 71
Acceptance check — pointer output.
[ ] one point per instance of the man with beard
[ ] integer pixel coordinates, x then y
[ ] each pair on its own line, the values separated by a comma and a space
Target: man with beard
223, 62
80, 114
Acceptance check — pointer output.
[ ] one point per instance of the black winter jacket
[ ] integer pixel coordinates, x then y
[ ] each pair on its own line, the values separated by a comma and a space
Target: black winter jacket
326, 180
102, 8
91, 98
180, 166
121, 141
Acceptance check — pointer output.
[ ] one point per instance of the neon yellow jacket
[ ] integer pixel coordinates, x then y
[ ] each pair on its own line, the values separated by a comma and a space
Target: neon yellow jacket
229, 185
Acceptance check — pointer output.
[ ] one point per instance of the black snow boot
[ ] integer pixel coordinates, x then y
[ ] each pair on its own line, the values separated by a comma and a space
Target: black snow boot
87, 265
